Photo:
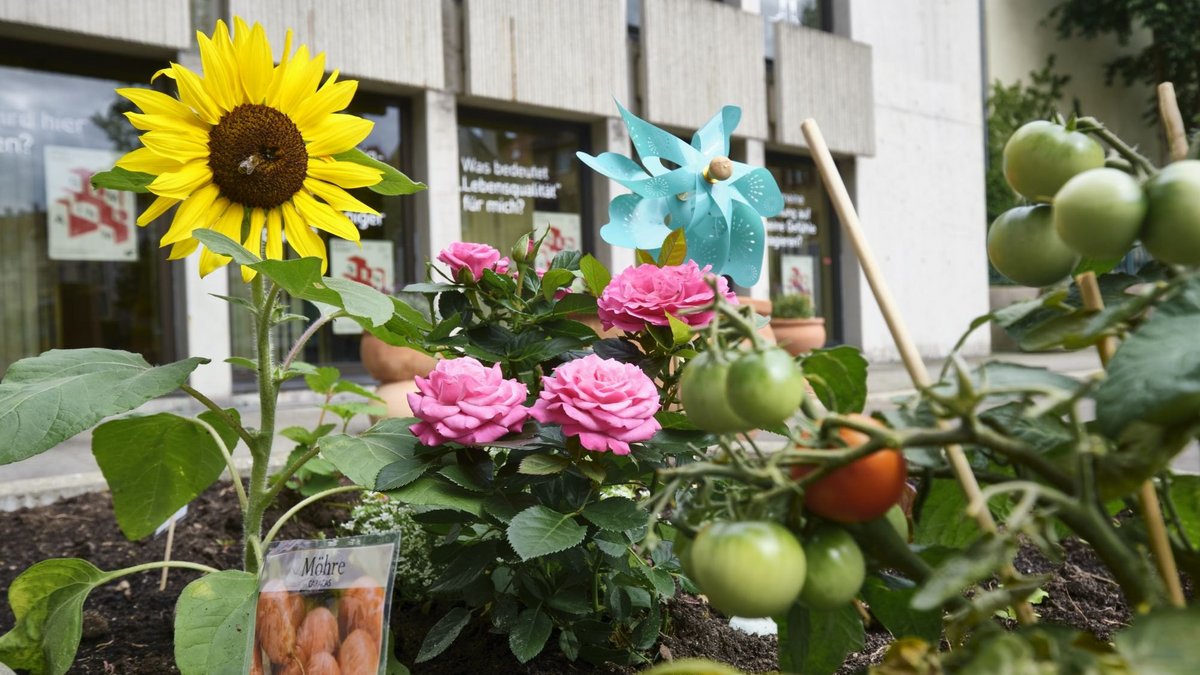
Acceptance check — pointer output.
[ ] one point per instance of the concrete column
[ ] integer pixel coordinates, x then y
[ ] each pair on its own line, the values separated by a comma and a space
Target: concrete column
439, 213
208, 328
608, 135
756, 155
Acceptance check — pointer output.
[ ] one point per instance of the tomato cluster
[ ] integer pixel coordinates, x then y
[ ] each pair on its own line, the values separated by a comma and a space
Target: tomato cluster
1082, 208
756, 389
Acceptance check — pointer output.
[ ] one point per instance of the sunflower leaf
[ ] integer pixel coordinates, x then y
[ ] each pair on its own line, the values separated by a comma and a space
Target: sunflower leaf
219, 243
117, 178
393, 183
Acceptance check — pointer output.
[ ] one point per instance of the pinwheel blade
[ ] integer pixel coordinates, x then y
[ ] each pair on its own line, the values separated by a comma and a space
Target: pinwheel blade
654, 144
712, 139
636, 222
747, 242
708, 242
616, 167
759, 189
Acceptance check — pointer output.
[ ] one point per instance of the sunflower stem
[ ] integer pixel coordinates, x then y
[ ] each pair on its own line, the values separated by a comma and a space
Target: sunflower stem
260, 450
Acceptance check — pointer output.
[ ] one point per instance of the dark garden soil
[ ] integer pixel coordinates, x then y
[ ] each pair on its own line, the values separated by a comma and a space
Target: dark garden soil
128, 624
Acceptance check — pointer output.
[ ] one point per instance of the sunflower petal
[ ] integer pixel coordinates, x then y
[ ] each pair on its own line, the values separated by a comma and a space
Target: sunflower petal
182, 183
330, 98
183, 147
185, 125
159, 207
325, 217
217, 80
254, 57
337, 133
154, 102
301, 238
230, 225
253, 241
343, 174
145, 160
183, 249
193, 93
337, 197
274, 248
193, 213
301, 75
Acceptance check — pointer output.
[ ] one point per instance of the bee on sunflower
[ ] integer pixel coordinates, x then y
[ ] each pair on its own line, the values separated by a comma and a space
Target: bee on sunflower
250, 148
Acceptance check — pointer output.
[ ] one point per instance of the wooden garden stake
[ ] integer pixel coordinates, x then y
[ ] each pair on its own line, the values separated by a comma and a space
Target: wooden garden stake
904, 343
162, 582
1172, 121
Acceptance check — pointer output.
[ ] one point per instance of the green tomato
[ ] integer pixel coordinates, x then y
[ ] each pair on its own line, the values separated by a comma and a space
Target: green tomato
1098, 213
750, 569
765, 388
1023, 246
702, 388
836, 569
682, 548
1042, 156
1172, 231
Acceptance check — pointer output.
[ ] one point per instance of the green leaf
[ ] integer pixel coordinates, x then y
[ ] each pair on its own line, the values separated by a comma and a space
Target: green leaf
242, 362
839, 377
393, 183
219, 243
644, 257
212, 619
323, 380
154, 465
595, 275
529, 634
539, 531
117, 178
1162, 643
892, 606
817, 642
1154, 375
1185, 493
468, 564
942, 523
362, 457
611, 544
436, 492
660, 579
360, 300
681, 333
616, 514
47, 602
554, 280
543, 465
400, 473
674, 249
443, 633
951, 576
47, 399
301, 278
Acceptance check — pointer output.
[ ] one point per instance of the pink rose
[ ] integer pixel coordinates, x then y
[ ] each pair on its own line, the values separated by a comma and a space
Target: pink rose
644, 295
465, 402
606, 403
475, 257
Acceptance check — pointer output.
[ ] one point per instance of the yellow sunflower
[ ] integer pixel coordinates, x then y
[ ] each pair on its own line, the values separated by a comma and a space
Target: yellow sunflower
250, 142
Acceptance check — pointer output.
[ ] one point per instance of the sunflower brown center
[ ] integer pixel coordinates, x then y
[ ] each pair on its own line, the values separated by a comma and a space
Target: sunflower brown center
257, 156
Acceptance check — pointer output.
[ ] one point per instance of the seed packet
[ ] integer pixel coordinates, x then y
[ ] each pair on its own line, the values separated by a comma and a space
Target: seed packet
323, 606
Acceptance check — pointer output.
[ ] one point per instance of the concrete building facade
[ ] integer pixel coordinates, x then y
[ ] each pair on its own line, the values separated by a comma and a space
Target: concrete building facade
486, 102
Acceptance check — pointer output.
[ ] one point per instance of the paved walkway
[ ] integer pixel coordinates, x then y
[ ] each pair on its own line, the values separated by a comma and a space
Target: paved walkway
70, 468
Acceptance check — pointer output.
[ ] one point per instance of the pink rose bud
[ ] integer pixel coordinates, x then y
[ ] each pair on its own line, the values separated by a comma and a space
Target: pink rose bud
475, 258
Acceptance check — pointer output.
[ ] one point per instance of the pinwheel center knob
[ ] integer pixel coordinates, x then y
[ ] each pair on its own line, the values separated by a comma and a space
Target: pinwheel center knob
720, 168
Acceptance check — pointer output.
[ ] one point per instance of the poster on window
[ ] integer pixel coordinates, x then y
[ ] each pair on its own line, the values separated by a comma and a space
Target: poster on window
797, 273
83, 222
565, 232
374, 264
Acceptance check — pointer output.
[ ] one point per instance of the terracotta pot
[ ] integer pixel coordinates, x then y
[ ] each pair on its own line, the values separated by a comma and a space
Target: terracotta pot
762, 308
798, 336
395, 394
386, 363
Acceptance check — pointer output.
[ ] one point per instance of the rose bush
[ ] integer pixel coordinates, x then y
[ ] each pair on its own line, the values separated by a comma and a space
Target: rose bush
474, 258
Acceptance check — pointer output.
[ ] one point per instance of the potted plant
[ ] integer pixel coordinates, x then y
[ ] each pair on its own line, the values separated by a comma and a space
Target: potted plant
795, 327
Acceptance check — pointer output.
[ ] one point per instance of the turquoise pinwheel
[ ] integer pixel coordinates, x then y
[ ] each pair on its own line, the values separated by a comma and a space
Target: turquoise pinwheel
719, 203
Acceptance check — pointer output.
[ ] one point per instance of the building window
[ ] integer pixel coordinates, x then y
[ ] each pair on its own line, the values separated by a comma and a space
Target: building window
802, 241
75, 270
810, 13
385, 260
520, 175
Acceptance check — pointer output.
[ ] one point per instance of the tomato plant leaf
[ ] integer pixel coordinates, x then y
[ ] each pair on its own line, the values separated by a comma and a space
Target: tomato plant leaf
539, 531
154, 465
839, 377
817, 642
891, 604
212, 618
948, 579
529, 634
443, 633
1185, 495
49, 398
1162, 643
47, 602
1154, 375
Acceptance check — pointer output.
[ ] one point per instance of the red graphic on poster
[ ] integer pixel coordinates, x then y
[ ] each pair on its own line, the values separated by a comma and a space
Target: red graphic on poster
360, 270
90, 208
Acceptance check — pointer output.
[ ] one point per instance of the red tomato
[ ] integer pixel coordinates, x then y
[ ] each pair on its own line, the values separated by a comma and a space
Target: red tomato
862, 490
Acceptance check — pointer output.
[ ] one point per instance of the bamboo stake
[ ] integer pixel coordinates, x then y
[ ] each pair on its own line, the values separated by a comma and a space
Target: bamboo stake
891, 315
162, 582
1160, 545
1172, 121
